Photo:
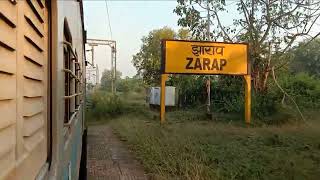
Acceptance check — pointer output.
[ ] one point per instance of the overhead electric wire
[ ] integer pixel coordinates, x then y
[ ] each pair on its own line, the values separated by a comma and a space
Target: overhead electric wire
108, 18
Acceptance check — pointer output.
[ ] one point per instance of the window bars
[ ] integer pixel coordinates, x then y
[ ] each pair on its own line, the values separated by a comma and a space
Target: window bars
73, 84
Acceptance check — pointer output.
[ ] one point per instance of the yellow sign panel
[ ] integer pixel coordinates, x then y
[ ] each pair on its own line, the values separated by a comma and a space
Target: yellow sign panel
196, 57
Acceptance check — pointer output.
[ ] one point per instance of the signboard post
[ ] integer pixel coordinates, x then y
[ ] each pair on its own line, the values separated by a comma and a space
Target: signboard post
247, 79
164, 78
206, 58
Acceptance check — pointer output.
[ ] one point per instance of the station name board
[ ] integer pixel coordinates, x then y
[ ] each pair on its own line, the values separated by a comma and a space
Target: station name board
203, 57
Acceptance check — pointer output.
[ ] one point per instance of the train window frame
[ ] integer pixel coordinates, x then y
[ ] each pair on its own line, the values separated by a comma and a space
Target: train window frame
66, 57
68, 69
73, 74
76, 87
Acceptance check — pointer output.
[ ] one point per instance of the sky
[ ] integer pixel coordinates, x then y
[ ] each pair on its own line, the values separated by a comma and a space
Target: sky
130, 21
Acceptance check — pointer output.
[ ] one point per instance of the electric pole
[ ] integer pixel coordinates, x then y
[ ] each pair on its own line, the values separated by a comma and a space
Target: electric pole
114, 52
97, 75
112, 45
92, 54
112, 72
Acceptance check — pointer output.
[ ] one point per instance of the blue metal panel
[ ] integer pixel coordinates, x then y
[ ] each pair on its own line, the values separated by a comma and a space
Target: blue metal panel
74, 152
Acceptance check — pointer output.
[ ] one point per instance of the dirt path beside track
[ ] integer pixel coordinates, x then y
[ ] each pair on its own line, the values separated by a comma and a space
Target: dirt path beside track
109, 158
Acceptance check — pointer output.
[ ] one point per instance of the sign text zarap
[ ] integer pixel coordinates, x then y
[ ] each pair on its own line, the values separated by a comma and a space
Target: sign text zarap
194, 57
206, 63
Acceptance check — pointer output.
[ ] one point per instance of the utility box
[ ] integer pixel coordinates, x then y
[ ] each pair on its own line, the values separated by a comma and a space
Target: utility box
154, 96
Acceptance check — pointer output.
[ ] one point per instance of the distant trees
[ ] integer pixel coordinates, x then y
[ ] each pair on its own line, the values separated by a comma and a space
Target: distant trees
147, 60
123, 85
307, 58
106, 79
134, 84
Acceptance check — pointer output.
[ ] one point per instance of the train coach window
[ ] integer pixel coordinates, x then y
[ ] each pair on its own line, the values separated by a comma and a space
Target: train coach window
72, 69
68, 69
67, 85
77, 73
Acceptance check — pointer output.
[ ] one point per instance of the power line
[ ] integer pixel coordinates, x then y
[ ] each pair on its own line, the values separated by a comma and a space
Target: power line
108, 18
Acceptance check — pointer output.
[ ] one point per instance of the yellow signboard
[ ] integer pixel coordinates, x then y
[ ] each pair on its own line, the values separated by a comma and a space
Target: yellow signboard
196, 57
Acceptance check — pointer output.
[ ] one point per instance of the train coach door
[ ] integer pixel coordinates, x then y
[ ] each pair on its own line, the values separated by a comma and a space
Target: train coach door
24, 92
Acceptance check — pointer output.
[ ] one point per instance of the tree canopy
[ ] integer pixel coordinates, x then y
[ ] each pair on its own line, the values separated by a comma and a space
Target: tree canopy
307, 58
269, 26
147, 60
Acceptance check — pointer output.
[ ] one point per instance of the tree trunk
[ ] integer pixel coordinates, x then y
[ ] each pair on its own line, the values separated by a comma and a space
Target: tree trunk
261, 71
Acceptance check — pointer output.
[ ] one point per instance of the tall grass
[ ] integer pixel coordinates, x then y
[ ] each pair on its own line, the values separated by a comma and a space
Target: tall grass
186, 148
209, 150
104, 105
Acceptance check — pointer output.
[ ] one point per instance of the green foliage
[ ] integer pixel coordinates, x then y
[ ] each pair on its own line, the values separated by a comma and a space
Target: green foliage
147, 60
184, 34
123, 85
207, 150
185, 148
228, 94
191, 89
106, 79
127, 85
259, 23
307, 58
264, 105
269, 21
105, 105
304, 88
192, 18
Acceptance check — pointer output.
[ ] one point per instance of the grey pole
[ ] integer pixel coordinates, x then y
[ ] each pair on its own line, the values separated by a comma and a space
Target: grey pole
115, 67
112, 71
208, 84
97, 74
92, 55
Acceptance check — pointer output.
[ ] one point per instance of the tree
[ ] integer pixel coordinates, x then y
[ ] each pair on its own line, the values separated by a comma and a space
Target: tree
106, 79
123, 85
147, 60
307, 58
271, 27
184, 34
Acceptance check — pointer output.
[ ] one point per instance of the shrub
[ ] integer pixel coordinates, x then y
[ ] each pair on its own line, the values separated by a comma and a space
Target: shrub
105, 105
264, 105
305, 89
228, 96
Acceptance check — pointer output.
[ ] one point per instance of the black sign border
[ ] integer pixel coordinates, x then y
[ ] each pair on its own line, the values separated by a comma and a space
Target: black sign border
163, 58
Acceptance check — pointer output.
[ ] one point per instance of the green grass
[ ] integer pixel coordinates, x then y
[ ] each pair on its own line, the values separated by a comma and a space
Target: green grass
208, 150
190, 147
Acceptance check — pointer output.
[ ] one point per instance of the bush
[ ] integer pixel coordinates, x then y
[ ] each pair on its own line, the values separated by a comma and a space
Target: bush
105, 105
264, 105
228, 94
303, 88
